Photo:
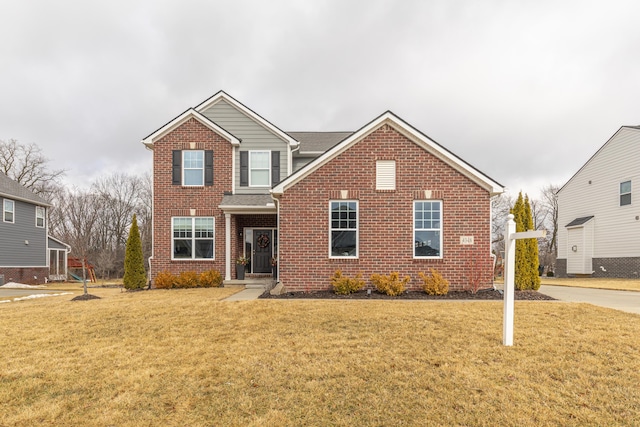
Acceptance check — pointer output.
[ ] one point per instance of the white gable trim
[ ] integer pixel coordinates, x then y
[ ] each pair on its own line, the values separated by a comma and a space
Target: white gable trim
182, 118
409, 132
248, 112
609, 141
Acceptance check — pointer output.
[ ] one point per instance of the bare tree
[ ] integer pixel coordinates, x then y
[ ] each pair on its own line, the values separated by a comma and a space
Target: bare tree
80, 210
500, 208
27, 165
550, 203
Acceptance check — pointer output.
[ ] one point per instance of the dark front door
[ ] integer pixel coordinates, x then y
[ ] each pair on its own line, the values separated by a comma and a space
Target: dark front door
262, 247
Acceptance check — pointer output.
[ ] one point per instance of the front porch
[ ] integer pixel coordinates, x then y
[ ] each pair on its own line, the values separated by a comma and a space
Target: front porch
251, 232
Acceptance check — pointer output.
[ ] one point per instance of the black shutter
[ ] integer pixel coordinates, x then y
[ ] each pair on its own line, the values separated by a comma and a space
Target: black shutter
244, 169
208, 167
176, 168
275, 167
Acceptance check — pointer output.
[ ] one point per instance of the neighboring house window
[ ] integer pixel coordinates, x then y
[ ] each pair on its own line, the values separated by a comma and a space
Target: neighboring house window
625, 193
40, 216
193, 168
344, 229
385, 175
8, 209
193, 237
427, 229
257, 167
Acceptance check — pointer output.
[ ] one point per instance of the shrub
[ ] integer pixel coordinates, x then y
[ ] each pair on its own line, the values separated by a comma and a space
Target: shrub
392, 284
187, 279
549, 273
210, 279
165, 280
345, 285
434, 284
135, 276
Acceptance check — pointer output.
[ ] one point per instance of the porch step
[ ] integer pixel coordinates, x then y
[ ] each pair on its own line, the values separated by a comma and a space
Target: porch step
263, 283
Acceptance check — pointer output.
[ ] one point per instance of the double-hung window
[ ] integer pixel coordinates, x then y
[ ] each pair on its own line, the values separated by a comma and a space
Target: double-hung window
40, 216
343, 229
427, 229
193, 167
8, 210
259, 168
625, 193
193, 237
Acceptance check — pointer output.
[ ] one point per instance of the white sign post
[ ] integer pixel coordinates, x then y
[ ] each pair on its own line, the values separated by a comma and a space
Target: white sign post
510, 237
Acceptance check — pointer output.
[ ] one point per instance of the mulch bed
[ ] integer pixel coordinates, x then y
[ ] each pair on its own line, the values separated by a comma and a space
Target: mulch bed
487, 294
85, 297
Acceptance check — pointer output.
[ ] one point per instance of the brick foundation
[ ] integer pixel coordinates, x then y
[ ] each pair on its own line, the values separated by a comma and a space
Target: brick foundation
25, 275
622, 268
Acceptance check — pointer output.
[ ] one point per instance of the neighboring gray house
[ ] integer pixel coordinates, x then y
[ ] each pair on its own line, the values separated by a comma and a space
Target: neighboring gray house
599, 212
27, 253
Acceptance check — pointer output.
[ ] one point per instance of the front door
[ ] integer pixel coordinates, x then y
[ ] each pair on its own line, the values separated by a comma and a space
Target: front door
262, 250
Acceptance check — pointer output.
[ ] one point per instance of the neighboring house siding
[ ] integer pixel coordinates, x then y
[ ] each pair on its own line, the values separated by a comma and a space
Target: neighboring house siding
385, 218
179, 201
595, 190
14, 252
253, 136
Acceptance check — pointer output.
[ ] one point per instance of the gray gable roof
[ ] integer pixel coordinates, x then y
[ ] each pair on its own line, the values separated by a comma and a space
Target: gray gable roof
318, 142
13, 190
579, 221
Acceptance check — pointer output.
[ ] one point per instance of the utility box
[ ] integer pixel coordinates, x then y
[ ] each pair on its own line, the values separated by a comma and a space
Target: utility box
1, 279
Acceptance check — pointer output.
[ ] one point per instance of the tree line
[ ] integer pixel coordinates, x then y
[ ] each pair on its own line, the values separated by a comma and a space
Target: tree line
94, 220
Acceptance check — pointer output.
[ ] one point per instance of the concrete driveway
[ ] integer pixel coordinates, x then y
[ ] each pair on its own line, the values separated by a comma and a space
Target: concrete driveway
628, 301
10, 293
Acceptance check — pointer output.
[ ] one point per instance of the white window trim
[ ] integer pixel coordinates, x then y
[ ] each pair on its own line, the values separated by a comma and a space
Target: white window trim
441, 229
385, 175
193, 239
13, 211
357, 230
40, 209
620, 193
184, 168
251, 153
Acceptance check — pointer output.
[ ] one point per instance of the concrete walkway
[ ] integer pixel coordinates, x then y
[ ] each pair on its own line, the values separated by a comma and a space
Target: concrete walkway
628, 301
246, 295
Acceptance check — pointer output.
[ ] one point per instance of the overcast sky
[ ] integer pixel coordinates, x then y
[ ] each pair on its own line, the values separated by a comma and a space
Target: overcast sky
526, 91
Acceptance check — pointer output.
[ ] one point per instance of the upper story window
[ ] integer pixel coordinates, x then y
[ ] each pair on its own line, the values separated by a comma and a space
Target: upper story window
385, 175
192, 168
193, 237
8, 210
260, 168
40, 212
427, 229
343, 223
625, 193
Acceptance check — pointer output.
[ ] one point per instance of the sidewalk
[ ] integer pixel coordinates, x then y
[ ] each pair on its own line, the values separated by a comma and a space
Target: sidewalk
628, 301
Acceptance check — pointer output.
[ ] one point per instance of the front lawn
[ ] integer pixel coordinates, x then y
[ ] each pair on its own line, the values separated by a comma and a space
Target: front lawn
182, 357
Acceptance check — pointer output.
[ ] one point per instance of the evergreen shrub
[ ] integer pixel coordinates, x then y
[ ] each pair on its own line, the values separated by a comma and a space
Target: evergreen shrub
391, 285
434, 284
343, 285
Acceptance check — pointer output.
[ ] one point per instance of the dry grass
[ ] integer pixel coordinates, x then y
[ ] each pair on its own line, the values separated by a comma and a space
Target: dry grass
592, 282
176, 358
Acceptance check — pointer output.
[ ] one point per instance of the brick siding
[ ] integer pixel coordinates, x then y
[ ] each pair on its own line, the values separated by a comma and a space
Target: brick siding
385, 217
175, 200
26, 275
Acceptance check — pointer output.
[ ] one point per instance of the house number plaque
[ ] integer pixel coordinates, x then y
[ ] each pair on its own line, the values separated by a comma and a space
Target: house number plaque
466, 240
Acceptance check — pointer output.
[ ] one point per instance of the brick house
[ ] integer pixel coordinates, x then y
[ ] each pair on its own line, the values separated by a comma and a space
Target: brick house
228, 183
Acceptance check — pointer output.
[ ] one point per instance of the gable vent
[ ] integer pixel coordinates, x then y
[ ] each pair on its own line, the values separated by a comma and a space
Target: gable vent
385, 175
